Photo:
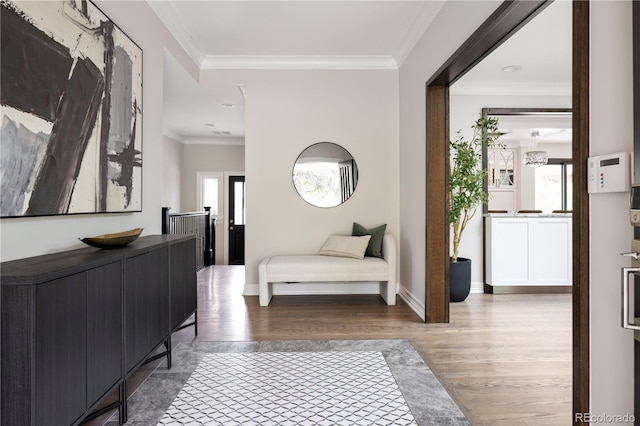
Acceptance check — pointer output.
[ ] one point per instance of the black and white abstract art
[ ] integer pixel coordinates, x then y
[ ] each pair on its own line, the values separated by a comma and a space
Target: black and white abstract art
71, 95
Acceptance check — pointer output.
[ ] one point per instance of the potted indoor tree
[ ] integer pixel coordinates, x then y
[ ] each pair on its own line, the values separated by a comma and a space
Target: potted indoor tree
466, 193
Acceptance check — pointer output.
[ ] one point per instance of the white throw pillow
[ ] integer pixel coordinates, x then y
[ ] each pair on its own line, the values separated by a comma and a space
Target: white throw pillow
345, 246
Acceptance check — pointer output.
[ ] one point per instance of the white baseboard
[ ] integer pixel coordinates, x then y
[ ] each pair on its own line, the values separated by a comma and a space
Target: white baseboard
419, 308
251, 289
477, 287
316, 288
416, 305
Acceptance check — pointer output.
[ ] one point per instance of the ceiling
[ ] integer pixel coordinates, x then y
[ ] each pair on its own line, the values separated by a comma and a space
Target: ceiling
363, 35
528, 130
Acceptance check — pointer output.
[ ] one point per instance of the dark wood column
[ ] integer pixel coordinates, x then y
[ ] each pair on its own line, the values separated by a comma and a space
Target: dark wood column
437, 209
580, 147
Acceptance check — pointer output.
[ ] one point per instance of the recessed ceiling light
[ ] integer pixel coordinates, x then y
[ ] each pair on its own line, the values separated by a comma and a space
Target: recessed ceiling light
511, 68
228, 106
209, 124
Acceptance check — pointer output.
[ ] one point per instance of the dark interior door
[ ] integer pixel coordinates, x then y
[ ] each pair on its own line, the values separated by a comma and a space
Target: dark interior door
236, 220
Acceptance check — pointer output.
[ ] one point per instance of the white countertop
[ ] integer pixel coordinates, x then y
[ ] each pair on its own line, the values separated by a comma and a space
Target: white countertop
517, 215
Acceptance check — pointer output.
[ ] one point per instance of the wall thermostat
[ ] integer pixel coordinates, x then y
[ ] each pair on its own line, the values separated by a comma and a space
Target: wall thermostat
608, 173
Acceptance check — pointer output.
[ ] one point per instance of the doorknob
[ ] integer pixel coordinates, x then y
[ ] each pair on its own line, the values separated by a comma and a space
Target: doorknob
231, 228
633, 254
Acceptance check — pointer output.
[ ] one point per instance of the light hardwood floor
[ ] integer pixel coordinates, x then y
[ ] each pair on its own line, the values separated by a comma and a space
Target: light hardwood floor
505, 359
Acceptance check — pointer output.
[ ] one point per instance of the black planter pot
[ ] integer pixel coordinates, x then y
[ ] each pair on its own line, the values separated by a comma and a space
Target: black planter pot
459, 279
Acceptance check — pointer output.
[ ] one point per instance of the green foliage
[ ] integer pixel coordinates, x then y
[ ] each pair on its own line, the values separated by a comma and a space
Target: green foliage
466, 175
320, 186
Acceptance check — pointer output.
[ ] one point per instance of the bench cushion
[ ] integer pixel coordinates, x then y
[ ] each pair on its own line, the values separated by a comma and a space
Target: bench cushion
315, 268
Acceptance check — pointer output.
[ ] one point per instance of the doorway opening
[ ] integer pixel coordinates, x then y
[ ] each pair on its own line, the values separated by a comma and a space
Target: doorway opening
210, 195
505, 21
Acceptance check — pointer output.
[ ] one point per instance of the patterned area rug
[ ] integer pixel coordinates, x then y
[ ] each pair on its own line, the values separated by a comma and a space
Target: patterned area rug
290, 388
379, 381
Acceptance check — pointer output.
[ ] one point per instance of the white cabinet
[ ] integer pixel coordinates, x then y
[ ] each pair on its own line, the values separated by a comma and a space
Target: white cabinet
528, 250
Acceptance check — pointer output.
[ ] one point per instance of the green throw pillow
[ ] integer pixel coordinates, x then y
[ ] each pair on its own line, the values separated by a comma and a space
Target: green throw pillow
374, 249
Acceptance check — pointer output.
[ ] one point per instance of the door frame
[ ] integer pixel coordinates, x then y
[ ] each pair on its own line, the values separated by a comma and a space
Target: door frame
508, 18
226, 212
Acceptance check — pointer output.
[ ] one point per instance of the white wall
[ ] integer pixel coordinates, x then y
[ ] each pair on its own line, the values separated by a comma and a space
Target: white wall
611, 130
172, 155
25, 237
292, 110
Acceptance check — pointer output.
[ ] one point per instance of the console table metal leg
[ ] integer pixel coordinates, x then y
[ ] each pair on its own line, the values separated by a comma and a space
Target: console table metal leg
167, 345
194, 323
120, 405
122, 410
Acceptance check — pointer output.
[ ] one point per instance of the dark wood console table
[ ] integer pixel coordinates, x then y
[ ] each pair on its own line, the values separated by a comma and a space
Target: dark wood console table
76, 324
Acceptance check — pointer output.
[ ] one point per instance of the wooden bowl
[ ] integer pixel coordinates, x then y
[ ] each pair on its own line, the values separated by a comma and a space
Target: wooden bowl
111, 241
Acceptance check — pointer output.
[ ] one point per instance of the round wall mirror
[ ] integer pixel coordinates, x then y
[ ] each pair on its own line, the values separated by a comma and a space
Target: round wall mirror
325, 174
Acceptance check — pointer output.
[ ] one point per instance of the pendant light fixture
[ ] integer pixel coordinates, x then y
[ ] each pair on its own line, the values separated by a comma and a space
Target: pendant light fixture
535, 158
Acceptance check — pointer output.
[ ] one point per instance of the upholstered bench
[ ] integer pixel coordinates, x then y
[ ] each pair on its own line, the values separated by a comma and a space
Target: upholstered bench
320, 269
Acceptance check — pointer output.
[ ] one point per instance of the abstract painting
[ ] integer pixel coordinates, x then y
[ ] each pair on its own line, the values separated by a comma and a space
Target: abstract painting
71, 111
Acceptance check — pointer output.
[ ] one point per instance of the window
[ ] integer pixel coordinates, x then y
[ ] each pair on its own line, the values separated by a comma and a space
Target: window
238, 203
554, 185
318, 183
209, 192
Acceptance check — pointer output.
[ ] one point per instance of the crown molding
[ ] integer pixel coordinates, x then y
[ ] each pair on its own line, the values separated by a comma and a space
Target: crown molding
297, 62
417, 29
511, 89
172, 135
229, 140
214, 141
167, 16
